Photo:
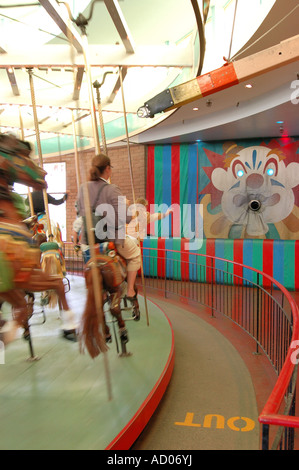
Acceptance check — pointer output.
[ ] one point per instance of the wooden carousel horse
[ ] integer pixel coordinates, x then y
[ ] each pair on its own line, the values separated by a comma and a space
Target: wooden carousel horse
54, 234
112, 274
52, 259
20, 269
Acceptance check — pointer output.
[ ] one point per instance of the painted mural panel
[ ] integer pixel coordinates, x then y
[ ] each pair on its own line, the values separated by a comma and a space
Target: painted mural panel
247, 189
253, 190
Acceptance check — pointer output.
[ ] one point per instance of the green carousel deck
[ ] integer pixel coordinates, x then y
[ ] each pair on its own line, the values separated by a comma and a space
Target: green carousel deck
67, 401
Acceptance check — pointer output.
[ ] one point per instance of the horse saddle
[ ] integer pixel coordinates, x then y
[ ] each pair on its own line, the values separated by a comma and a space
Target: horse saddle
113, 267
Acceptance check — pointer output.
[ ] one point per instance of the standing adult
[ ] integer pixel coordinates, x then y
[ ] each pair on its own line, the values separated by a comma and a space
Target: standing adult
111, 204
38, 201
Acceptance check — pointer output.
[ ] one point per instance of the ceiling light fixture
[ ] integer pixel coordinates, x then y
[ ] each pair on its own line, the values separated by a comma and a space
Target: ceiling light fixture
248, 85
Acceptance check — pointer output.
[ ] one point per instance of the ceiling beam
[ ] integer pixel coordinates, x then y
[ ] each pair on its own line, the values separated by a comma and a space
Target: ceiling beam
58, 55
13, 81
120, 24
78, 83
117, 85
62, 19
229, 75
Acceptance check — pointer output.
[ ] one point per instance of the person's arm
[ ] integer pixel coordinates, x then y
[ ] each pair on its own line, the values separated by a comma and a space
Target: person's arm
158, 216
56, 202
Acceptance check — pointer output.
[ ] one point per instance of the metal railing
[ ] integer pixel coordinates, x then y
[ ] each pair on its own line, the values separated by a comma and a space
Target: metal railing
263, 308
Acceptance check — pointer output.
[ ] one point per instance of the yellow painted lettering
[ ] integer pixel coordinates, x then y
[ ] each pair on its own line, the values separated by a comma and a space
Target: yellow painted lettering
188, 421
250, 424
219, 421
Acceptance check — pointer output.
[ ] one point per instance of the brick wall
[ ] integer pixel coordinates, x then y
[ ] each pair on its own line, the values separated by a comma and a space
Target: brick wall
120, 175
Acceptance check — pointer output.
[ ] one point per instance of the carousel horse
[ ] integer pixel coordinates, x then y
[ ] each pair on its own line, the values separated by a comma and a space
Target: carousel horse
111, 268
52, 259
55, 233
20, 268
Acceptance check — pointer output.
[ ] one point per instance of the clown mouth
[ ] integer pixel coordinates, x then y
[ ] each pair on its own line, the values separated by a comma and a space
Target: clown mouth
255, 203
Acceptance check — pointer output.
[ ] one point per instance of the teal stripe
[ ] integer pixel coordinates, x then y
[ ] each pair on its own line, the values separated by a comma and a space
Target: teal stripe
229, 255
154, 257
158, 184
146, 256
219, 264
278, 255
176, 245
257, 259
184, 165
289, 264
247, 259
202, 262
192, 188
169, 258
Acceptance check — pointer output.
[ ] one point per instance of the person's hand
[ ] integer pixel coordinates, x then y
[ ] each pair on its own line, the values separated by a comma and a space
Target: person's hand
65, 197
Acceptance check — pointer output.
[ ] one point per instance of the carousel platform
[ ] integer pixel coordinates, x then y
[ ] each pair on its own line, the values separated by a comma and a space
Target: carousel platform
64, 400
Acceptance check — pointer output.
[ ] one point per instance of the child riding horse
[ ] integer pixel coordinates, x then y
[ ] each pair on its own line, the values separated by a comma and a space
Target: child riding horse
20, 268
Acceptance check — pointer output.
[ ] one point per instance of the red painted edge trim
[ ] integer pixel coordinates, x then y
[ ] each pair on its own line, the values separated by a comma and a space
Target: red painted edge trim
217, 80
297, 265
128, 435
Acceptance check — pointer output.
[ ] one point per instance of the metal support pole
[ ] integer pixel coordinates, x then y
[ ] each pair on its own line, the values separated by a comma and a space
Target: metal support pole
22, 137
133, 192
78, 179
86, 199
38, 142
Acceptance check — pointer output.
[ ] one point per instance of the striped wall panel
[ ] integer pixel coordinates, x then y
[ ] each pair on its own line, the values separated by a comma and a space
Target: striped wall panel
172, 258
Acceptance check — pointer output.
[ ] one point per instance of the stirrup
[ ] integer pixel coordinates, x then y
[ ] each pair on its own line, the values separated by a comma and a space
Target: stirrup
135, 304
123, 335
108, 338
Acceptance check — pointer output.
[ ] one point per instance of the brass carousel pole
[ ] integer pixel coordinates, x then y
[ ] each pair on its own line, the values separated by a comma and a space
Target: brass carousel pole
90, 231
22, 137
78, 179
133, 191
38, 142
97, 86
90, 94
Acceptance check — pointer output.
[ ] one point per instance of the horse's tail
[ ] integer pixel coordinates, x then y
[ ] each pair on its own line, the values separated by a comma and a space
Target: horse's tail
51, 265
91, 337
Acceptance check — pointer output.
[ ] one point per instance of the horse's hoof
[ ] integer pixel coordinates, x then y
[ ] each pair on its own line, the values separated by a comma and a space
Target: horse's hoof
26, 335
123, 335
8, 332
70, 335
69, 324
136, 314
108, 338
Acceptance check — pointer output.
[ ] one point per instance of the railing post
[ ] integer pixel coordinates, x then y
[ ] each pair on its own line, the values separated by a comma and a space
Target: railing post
265, 437
212, 290
257, 312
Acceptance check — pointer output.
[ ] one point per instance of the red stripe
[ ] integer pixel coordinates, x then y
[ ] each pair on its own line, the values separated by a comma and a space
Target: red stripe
267, 261
184, 261
217, 80
238, 258
210, 251
161, 257
175, 188
150, 181
297, 265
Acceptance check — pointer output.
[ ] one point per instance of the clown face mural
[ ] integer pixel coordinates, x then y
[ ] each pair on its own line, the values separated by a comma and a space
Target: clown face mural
257, 189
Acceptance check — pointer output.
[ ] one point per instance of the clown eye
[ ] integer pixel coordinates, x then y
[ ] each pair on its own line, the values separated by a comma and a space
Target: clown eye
240, 173
270, 172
